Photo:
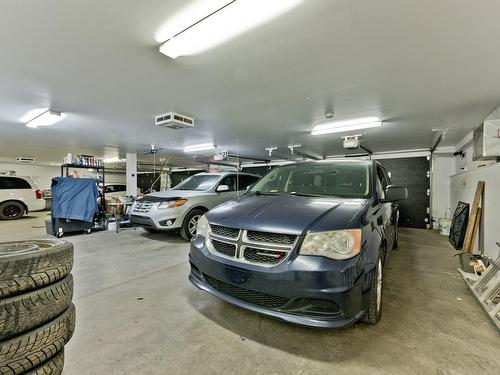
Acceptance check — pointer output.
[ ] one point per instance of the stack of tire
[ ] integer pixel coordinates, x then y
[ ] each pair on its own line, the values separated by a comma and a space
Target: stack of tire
37, 317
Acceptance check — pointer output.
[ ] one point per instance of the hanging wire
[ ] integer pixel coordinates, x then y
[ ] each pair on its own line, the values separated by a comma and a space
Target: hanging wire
161, 173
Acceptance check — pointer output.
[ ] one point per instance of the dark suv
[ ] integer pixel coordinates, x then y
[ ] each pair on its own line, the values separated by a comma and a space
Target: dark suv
306, 244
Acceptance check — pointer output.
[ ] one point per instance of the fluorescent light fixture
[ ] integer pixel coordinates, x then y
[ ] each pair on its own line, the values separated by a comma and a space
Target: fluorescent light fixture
345, 126
200, 147
30, 115
219, 25
41, 117
113, 160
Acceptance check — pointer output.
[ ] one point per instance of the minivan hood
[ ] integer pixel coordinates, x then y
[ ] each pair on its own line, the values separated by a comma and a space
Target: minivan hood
287, 214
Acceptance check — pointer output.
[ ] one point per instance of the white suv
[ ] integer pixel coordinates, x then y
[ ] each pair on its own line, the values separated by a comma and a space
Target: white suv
181, 207
19, 195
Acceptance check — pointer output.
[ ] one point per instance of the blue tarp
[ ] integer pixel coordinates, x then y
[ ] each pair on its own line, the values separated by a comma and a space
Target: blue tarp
74, 198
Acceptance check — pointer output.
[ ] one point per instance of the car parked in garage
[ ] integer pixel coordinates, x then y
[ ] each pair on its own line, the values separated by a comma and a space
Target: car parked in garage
18, 196
307, 244
117, 190
181, 207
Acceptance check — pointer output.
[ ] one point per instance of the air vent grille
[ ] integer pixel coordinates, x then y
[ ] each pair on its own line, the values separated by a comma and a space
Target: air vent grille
174, 121
25, 159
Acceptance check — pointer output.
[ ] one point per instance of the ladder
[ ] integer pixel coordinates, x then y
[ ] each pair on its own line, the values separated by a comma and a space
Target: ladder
486, 289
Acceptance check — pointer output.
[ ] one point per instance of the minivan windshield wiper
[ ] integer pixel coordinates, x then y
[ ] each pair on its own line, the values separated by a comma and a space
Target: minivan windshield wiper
305, 194
258, 192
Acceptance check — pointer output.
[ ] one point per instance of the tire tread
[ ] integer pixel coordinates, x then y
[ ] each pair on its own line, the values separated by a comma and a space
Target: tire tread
21, 313
26, 272
23, 353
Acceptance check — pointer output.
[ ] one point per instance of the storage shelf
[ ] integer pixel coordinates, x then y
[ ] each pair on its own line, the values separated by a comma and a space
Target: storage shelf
82, 166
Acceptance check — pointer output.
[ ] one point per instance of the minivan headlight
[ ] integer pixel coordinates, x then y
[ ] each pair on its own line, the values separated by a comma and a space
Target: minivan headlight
337, 244
202, 226
172, 204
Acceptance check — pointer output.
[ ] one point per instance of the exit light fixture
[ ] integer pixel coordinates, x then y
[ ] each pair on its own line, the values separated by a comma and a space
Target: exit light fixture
345, 126
210, 23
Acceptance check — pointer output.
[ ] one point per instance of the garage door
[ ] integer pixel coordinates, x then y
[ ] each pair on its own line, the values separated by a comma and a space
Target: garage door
413, 173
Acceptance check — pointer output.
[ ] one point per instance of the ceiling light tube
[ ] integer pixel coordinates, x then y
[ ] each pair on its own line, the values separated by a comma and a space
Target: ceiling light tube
233, 18
113, 160
33, 113
345, 126
41, 117
200, 147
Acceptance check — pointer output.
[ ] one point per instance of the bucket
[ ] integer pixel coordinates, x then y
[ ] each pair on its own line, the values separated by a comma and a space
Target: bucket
444, 226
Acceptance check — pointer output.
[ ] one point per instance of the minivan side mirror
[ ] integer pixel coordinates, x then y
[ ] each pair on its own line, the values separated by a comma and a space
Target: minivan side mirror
395, 193
222, 188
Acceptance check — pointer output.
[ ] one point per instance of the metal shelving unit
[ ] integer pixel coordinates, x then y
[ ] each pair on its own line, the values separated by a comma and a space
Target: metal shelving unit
100, 179
100, 219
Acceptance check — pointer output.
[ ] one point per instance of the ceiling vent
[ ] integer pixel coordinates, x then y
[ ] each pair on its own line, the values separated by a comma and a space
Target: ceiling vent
174, 120
25, 159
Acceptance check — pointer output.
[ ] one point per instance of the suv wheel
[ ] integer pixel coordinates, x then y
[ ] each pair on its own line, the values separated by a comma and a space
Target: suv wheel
374, 312
11, 210
188, 229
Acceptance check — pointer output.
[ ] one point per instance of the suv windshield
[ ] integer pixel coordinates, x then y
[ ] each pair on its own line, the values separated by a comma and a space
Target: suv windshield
200, 183
340, 179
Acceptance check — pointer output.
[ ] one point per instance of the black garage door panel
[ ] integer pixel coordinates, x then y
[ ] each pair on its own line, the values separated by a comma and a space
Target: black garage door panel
412, 173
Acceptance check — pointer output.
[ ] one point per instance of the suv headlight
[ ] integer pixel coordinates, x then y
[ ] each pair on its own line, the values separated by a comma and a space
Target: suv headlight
172, 204
337, 244
202, 226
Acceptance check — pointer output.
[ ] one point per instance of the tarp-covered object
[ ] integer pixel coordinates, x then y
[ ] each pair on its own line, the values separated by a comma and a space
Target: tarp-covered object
74, 198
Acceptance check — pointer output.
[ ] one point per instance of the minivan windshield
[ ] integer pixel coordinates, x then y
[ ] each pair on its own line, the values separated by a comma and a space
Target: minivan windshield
198, 182
340, 179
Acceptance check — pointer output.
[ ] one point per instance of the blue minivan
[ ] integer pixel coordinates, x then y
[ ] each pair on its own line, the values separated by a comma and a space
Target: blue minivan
306, 244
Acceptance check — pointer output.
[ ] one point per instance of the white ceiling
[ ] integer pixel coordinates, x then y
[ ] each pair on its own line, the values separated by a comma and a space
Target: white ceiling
416, 64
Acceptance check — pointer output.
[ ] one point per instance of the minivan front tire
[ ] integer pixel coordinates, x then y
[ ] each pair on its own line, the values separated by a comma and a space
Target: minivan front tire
374, 312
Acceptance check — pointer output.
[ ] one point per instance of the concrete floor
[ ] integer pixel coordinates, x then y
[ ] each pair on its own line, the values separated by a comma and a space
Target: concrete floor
138, 314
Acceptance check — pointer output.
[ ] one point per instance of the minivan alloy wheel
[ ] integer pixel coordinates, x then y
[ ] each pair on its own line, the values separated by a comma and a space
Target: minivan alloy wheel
11, 211
374, 308
379, 284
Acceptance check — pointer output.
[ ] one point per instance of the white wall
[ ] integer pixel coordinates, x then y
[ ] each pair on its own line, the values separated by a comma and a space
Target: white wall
42, 175
443, 166
463, 188
465, 163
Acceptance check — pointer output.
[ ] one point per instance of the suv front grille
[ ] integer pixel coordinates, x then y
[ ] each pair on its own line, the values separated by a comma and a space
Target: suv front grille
246, 295
274, 238
263, 256
225, 231
142, 207
224, 248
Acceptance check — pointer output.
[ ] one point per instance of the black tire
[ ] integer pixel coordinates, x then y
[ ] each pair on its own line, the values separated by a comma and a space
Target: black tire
396, 238
186, 229
374, 312
29, 265
53, 366
11, 210
26, 311
30, 350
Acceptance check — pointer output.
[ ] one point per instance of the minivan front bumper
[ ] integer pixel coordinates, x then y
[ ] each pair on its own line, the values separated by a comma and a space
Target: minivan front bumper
305, 290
